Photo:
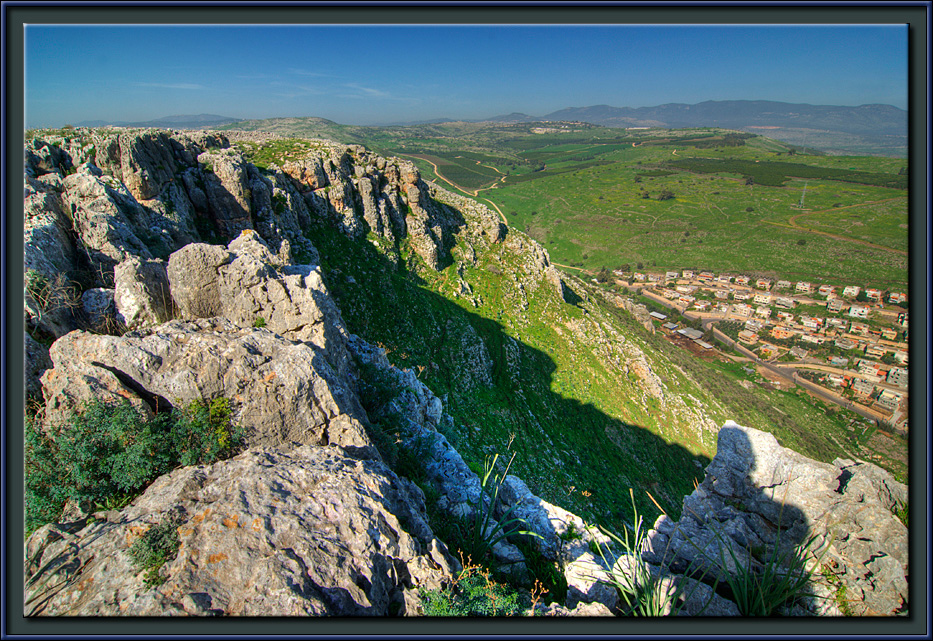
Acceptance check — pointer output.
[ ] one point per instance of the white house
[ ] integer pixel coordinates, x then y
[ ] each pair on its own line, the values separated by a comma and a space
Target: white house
851, 291
859, 311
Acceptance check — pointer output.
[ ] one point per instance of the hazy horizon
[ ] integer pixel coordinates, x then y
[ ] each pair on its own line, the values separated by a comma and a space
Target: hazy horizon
372, 75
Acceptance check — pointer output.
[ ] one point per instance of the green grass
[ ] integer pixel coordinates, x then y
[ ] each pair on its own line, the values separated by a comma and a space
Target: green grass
594, 216
557, 398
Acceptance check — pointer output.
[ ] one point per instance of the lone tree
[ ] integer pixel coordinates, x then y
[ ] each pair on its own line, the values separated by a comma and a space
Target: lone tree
666, 194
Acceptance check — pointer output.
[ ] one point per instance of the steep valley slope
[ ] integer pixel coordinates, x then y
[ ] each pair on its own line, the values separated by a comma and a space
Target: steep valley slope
428, 322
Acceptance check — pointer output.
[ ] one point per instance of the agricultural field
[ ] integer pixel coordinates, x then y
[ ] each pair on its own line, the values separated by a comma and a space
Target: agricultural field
649, 207
659, 199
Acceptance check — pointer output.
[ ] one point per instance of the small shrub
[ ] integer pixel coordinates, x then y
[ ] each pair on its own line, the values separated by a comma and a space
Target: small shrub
153, 549
51, 296
900, 511
105, 455
571, 534
472, 594
259, 322
203, 433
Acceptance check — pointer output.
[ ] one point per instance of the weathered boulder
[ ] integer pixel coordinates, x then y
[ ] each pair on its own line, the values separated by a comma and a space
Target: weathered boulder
271, 532
48, 256
758, 496
141, 293
193, 274
281, 391
45, 156
98, 306
307, 172
226, 186
104, 215
147, 162
246, 282
35, 361
564, 536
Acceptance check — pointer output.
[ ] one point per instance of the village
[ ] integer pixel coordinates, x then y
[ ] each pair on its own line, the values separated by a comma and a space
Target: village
846, 343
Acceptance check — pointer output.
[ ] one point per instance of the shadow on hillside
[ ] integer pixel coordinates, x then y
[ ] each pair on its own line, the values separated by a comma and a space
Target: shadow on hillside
731, 523
569, 452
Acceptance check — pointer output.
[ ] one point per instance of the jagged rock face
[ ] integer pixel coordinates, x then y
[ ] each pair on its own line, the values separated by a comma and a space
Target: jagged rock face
226, 185
141, 293
271, 532
280, 391
98, 306
104, 214
146, 161
43, 157
308, 172
246, 281
758, 495
48, 255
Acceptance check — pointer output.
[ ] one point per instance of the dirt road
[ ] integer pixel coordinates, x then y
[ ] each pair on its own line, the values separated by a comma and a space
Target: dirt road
795, 225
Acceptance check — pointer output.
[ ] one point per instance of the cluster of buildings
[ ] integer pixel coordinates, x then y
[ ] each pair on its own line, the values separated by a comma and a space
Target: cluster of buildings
767, 310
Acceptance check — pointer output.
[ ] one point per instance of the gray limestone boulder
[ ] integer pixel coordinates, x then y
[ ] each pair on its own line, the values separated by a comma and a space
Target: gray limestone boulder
279, 390
760, 500
99, 309
226, 183
307, 531
245, 282
141, 293
193, 274
104, 215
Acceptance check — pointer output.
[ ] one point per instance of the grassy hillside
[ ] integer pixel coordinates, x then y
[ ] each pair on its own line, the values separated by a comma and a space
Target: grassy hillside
562, 390
564, 384
667, 199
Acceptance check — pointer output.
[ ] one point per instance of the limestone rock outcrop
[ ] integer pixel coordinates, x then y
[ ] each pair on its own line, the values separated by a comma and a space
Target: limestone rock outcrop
280, 391
245, 282
758, 495
304, 531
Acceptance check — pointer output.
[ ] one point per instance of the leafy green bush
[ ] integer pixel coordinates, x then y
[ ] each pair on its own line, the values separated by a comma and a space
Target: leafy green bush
153, 549
108, 453
202, 433
472, 594
259, 322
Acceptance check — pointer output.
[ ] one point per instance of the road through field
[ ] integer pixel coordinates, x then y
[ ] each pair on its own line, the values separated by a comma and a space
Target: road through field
795, 225
466, 191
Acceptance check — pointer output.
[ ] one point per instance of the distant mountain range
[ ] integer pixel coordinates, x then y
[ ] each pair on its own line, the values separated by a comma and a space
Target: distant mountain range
872, 129
169, 122
741, 114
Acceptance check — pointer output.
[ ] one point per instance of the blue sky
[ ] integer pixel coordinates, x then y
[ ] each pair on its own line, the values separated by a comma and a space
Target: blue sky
381, 74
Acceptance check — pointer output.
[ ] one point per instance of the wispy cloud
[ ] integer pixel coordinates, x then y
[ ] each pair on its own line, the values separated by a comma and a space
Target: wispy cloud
161, 85
291, 90
368, 92
312, 74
